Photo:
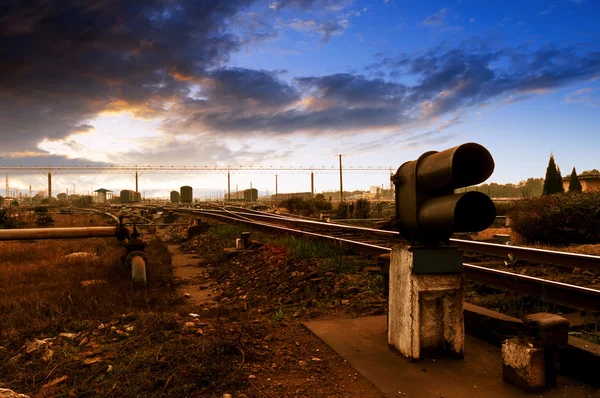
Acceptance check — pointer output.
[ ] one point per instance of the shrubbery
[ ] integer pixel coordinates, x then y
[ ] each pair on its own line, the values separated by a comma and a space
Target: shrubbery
558, 219
307, 207
9, 219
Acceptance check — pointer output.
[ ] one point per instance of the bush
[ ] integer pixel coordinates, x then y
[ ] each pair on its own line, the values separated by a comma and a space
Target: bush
44, 219
343, 211
558, 219
306, 207
9, 220
363, 208
40, 209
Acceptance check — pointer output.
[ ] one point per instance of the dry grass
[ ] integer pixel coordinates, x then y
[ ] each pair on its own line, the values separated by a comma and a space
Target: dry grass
40, 292
121, 340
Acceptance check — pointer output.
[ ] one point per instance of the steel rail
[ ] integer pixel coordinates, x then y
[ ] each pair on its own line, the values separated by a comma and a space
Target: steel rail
565, 259
550, 291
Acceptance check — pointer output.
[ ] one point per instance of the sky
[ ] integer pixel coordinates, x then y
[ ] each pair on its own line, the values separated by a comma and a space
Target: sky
294, 83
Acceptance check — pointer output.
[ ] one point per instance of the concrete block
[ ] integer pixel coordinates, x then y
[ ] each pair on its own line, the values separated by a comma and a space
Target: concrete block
523, 364
425, 310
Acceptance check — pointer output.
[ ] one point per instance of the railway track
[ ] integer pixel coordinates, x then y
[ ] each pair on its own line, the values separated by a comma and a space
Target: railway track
379, 242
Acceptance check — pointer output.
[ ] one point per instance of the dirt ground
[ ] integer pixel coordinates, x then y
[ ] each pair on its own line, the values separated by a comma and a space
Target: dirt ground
79, 328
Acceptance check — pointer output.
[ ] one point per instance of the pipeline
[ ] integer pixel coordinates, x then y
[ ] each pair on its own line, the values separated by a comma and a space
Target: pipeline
58, 233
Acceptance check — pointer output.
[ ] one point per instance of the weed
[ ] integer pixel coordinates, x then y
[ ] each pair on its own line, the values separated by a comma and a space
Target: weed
278, 315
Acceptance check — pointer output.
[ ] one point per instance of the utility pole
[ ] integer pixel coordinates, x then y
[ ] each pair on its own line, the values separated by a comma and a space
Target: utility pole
49, 184
276, 192
228, 185
7, 185
30, 198
341, 180
136, 180
312, 184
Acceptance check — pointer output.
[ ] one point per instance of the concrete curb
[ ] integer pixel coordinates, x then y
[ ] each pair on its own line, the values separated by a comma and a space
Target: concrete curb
580, 359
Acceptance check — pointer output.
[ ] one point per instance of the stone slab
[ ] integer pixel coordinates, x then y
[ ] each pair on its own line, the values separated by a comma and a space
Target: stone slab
363, 343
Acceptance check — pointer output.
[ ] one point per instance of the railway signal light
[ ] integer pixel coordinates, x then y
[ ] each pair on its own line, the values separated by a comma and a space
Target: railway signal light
427, 209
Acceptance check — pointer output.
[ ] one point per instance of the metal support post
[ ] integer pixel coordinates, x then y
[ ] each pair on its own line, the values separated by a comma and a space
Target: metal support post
49, 185
341, 182
312, 184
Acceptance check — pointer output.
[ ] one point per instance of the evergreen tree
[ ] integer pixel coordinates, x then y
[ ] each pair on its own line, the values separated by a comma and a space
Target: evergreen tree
559, 180
553, 180
574, 184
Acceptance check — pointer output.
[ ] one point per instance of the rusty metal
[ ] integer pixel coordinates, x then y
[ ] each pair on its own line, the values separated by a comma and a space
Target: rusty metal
554, 292
58, 233
571, 260
427, 210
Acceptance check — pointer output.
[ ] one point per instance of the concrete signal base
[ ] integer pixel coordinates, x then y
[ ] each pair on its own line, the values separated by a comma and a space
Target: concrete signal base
426, 296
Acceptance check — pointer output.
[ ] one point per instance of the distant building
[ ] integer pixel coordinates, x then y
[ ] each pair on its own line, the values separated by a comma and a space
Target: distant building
589, 182
101, 195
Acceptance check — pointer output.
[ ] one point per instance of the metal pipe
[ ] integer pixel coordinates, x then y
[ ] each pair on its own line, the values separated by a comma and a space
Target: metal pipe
58, 233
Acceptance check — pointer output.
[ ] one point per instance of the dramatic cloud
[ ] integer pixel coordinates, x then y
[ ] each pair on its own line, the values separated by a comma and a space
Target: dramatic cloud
64, 62
67, 64
239, 100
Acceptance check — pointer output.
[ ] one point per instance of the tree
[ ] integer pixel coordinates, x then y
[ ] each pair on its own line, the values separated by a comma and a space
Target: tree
574, 184
553, 180
591, 172
559, 180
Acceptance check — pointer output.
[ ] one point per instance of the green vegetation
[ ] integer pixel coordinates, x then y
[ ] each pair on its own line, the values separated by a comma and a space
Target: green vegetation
553, 181
308, 207
574, 184
44, 220
278, 315
591, 172
362, 208
559, 219
9, 219
333, 256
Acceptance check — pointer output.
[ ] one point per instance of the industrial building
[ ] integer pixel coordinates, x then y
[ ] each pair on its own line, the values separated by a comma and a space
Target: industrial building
285, 196
186, 194
100, 197
247, 195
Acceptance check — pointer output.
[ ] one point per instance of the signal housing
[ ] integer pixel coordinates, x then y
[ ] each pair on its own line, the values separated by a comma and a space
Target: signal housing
427, 209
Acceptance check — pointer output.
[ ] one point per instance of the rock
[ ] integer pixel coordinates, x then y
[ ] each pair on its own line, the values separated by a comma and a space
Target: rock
6, 393
345, 302
83, 342
69, 336
576, 271
588, 273
315, 359
186, 295
302, 364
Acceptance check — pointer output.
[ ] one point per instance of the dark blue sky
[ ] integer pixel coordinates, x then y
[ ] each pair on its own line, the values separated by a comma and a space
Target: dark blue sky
293, 82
